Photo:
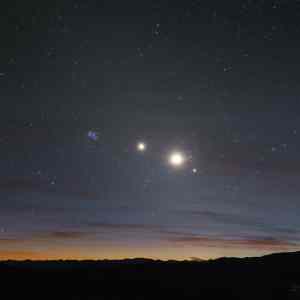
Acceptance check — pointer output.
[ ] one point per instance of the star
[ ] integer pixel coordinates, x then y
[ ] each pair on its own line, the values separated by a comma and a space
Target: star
274, 149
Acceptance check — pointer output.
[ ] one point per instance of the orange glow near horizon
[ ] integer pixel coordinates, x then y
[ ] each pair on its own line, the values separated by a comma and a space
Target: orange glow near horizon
79, 246
162, 253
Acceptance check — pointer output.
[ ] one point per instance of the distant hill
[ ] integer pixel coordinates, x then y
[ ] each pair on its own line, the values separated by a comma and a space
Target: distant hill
275, 276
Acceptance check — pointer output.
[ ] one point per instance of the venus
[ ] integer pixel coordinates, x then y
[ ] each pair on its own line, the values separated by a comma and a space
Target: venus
176, 159
141, 146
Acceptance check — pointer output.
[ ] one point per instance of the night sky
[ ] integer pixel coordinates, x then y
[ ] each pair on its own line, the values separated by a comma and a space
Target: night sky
160, 129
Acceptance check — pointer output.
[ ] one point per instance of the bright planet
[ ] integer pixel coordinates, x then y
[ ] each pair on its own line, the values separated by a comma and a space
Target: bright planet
176, 159
141, 146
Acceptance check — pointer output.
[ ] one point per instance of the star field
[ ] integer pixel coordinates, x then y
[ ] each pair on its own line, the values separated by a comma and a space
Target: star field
164, 129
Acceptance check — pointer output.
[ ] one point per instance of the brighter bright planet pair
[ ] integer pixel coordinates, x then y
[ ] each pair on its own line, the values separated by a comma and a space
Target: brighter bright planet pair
175, 158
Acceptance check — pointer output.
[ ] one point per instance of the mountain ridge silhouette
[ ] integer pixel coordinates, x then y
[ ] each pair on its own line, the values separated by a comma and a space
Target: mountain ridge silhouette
270, 277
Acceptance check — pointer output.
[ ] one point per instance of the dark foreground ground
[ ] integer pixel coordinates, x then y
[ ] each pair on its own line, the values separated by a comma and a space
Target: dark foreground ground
275, 276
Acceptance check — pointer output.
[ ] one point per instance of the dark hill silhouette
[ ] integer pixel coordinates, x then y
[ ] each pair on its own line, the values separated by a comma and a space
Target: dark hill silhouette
275, 276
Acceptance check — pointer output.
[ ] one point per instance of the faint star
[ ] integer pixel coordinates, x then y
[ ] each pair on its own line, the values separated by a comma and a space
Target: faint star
226, 69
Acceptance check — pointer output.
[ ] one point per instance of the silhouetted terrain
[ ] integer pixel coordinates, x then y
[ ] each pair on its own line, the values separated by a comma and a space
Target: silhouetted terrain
274, 276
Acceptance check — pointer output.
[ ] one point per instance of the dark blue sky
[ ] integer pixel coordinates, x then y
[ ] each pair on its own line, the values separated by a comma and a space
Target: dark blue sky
82, 82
